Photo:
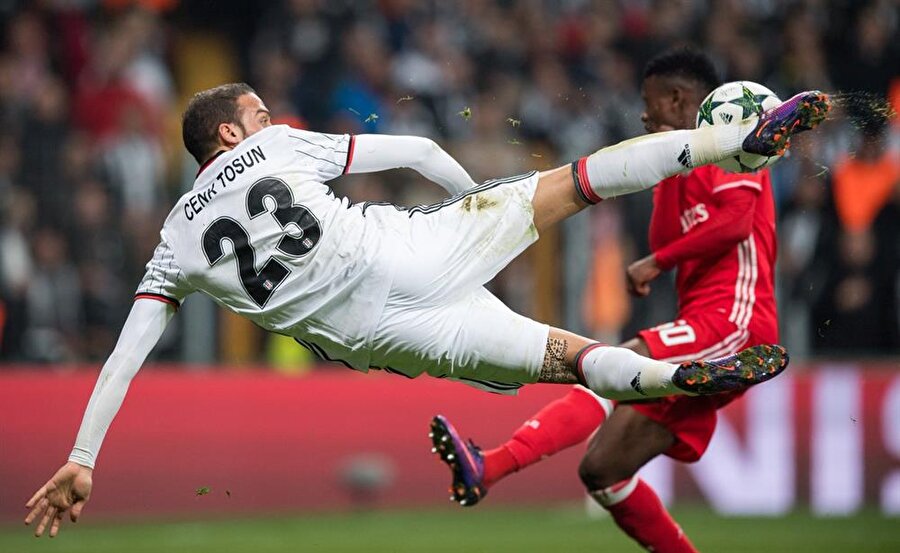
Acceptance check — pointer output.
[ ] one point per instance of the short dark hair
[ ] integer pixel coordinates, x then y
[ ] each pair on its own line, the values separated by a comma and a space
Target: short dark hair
205, 112
687, 62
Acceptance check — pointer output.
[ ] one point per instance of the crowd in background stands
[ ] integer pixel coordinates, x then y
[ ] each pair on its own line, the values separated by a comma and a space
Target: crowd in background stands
91, 161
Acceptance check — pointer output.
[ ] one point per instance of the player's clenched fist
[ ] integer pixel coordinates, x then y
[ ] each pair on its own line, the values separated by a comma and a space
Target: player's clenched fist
68, 490
640, 274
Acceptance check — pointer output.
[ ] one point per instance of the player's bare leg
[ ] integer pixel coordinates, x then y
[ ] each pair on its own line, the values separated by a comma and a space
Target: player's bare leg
555, 198
559, 357
634, 438
640, 163
625, 442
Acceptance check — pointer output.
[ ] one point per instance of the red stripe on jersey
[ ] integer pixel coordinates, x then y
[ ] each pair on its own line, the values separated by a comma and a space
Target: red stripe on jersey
349, 154
158, 297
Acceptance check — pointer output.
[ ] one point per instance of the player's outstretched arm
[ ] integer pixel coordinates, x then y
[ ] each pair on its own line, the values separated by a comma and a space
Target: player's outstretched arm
379, 152
70, 487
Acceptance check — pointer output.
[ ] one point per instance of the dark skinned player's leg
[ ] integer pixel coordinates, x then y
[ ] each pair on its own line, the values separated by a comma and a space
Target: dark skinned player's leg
625, 442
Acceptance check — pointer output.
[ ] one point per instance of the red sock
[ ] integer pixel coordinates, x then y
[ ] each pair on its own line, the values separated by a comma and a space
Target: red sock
641, 514
560, 424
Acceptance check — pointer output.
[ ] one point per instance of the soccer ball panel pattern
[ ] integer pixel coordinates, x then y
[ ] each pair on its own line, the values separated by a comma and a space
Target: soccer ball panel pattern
732, 103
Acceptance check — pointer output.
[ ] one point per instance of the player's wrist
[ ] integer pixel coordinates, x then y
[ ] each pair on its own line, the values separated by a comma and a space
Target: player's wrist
660, 262
79, 466
80, 459
75, 470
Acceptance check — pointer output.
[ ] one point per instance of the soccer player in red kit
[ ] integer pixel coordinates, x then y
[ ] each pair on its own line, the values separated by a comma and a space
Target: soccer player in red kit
717, 229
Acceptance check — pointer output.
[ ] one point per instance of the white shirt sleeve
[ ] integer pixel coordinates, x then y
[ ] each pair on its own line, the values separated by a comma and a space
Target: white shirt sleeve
164, 280
143, 328
329, 154
379, 152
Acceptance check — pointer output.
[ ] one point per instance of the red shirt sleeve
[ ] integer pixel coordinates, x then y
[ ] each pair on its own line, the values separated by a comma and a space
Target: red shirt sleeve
730, 221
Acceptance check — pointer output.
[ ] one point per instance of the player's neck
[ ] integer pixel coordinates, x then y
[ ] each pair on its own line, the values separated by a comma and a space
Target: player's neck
212, 158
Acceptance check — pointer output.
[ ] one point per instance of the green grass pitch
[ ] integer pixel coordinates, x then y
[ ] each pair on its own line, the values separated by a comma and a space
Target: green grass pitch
484, 529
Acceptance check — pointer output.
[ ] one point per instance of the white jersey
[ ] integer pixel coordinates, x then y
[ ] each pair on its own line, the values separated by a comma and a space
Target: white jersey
375, 286
263, 236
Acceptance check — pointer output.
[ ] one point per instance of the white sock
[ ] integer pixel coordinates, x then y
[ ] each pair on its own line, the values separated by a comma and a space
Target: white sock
619, 373
616, 493
642, 162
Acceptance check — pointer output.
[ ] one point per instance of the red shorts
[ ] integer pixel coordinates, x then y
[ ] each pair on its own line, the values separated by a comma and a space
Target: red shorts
691, 419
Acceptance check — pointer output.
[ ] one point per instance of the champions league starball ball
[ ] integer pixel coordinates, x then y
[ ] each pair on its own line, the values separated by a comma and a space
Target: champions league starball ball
732, 103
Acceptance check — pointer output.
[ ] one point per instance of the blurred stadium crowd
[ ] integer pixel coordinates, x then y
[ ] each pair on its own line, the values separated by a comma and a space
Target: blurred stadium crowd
91, 159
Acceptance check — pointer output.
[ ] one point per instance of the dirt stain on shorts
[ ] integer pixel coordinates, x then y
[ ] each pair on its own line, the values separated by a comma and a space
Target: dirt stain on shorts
480, 202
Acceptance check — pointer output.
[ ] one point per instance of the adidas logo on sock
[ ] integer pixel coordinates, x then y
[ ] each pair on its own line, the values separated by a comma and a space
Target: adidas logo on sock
685, 157
636, 384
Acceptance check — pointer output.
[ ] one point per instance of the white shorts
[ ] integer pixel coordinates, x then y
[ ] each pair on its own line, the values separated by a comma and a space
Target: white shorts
438, 318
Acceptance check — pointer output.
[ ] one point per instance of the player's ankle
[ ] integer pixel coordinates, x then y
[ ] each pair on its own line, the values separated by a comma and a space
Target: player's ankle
498, 464
715, 143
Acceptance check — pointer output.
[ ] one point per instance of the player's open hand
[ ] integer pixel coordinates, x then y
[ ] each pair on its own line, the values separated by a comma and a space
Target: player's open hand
640, 274
68, 490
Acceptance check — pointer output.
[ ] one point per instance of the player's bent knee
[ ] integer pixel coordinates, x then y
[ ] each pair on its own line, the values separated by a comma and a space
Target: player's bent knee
597, 472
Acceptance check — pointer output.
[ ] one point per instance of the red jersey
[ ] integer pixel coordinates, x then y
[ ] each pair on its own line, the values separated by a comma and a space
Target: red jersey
725, 257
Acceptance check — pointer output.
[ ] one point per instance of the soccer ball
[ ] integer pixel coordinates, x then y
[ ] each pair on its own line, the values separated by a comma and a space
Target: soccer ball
732, 103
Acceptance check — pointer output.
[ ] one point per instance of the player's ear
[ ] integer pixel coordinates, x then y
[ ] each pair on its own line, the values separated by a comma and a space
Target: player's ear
230, 134
683, 103
677, 96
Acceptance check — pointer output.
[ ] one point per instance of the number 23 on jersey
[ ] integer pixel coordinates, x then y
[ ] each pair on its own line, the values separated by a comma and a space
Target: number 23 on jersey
301, 233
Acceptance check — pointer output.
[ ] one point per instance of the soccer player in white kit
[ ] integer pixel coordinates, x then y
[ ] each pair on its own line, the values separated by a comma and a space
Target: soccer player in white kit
378, 286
